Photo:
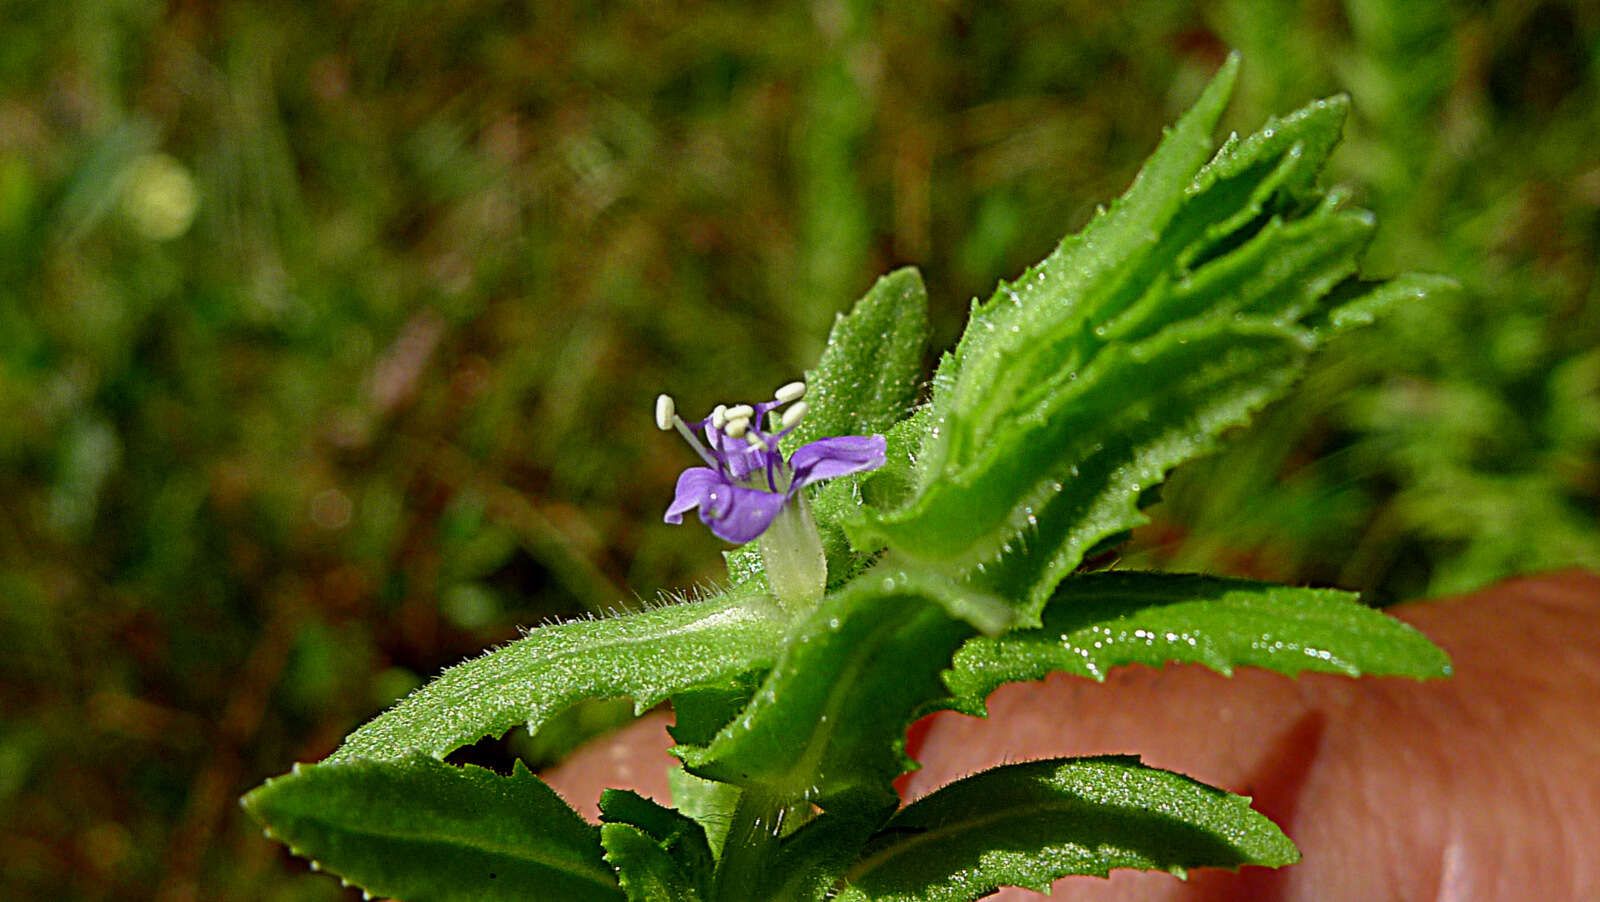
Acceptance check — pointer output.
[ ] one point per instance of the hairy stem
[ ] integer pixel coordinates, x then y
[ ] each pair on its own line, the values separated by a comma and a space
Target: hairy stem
752, 839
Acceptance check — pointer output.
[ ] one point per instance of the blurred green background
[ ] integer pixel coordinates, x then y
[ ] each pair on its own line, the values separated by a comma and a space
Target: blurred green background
329, 333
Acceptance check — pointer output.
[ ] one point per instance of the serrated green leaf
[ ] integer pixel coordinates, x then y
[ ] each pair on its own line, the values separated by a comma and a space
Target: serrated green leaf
1055, 492
867, 377
1188, 385
646, 872
1103, 620
1002, 334
1172, 317
1030, 824
426, 831
681, 837
647, 656
1249, 184
830, 719
698, 714
707, 802
811, 861
1282, 271
894, 483
1356, 303
838, 502
1028, 336
865, 382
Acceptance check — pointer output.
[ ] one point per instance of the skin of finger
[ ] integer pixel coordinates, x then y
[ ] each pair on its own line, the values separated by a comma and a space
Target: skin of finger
634, 757
1479, 787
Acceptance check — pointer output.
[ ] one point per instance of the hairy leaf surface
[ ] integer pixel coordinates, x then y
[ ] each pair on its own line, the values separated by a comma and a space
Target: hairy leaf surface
678, 836
647, 656
1030, 824
1003, 335
865, 382
812, 861
831, 717
646, 872
867, 377
1173, 316
426, 831
1104, 620
1055, 492
706, 802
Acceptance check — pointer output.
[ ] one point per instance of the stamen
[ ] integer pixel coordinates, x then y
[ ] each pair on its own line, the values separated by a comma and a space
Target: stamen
795, 413
666, 412
794, 391
736, 428
739, 412
719, 416
755, 440
688, 436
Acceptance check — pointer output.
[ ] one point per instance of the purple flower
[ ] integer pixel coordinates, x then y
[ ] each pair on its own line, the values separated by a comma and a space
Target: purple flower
747, 480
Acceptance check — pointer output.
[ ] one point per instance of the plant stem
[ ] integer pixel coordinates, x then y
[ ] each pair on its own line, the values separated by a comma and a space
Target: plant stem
791, 553
752, 838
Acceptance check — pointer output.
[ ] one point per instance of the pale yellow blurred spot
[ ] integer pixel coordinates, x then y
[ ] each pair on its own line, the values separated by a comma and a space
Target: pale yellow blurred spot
159, 197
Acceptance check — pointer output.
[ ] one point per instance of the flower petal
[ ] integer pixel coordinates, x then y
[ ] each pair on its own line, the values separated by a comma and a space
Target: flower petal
838, 456
747, 459
736, 455
739, 514
696, 487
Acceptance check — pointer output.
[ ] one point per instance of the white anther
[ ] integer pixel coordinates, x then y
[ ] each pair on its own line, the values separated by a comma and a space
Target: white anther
795, 413
665, 412
719, 416
794, 391
736, 428
740, 412
755, 441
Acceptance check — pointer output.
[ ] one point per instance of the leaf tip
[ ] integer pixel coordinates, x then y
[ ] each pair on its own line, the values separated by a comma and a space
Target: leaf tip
1439, 665
1231, 62
1227, 75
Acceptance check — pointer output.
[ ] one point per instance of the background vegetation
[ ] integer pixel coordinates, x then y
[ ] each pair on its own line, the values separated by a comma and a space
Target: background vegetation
329, 332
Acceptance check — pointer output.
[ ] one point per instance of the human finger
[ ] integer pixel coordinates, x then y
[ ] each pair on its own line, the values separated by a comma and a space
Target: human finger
1478, 787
